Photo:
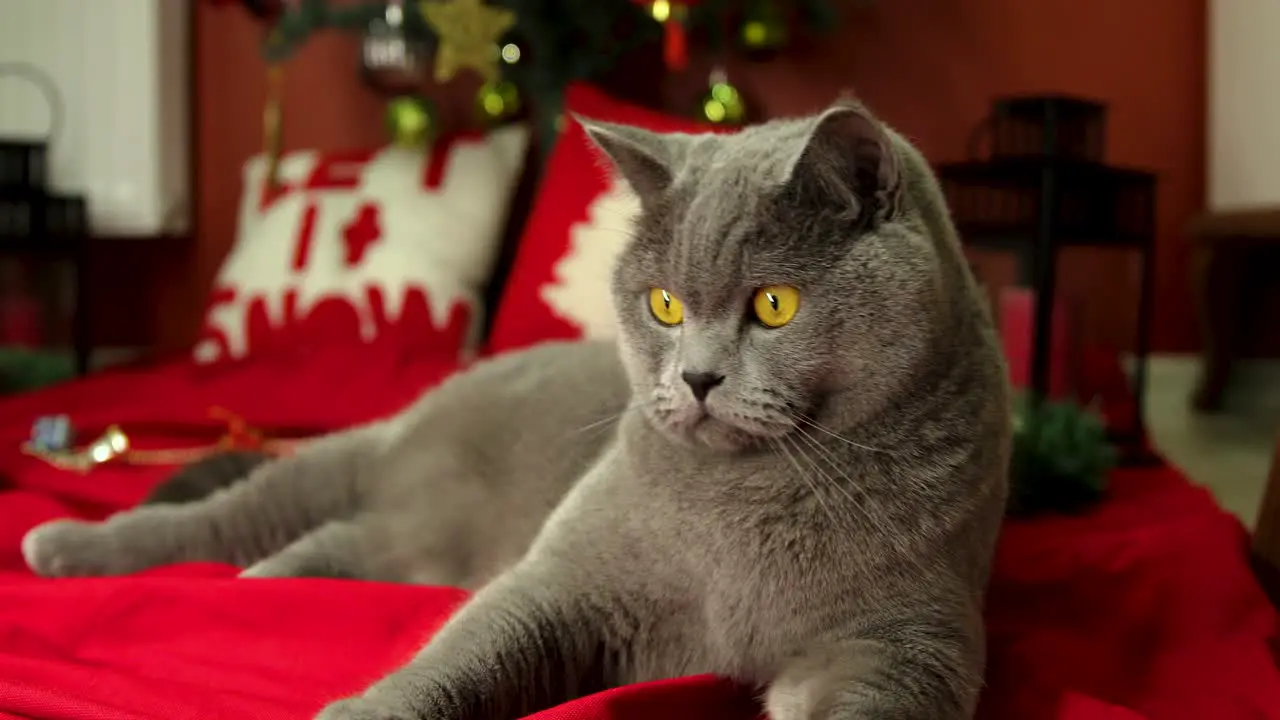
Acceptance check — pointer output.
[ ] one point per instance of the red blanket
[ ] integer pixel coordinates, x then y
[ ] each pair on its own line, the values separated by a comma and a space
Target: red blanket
1143, 608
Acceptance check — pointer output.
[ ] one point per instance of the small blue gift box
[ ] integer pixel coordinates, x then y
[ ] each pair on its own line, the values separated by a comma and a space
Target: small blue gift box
52, 433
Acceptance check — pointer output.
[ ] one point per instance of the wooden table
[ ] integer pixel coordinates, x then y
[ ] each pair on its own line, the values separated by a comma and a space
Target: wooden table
1266, 533
1224, 242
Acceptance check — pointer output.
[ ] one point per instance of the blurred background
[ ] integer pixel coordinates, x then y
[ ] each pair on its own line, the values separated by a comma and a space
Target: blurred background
142, 141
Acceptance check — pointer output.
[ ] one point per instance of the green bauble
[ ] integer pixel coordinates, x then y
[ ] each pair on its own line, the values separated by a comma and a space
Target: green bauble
411, 121
764, 29
722, 105
496, 101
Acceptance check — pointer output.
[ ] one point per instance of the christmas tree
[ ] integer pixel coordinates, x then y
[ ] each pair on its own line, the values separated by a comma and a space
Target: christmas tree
531, 50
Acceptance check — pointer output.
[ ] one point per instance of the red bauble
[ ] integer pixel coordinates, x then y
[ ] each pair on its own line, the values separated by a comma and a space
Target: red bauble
675, 45
673, 14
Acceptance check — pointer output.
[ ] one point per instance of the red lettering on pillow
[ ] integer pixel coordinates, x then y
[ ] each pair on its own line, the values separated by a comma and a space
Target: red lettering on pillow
332, 320
272, 194
306, 233
259, 331
361, 232
415, 324
220, 296
433, 178
339, 171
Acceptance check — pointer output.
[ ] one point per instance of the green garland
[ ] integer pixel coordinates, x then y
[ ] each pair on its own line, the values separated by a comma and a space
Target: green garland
22, 370
583, 30
1061, 457
564, 40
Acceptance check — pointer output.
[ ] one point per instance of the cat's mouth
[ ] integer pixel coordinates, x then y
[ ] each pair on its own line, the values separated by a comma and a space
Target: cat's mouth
719, 435
724, 422
724, 430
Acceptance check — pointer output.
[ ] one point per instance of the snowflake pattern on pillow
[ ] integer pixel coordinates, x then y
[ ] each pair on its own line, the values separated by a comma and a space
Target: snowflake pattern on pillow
579, 291
580, 221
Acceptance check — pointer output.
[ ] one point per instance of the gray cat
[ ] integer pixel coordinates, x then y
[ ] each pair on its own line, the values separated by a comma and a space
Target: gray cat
201, 478
448, 492
802, 490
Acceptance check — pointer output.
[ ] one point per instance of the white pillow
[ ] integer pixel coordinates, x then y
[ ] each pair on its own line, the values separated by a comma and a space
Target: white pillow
392, 244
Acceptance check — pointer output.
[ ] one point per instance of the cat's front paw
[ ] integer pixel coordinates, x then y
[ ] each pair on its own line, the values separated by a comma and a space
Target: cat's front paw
66, 548
365, 708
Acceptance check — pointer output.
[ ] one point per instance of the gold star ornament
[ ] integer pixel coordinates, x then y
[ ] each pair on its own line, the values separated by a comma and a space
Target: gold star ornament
468, 32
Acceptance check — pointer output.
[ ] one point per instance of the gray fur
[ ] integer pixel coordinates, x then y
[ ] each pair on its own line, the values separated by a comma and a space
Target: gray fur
822, 527
447, 492
201, 478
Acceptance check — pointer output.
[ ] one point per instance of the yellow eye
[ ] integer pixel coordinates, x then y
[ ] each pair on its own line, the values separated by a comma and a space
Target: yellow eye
665, 307
776, 305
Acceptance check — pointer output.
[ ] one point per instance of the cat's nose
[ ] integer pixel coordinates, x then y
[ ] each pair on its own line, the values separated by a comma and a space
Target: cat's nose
701, 382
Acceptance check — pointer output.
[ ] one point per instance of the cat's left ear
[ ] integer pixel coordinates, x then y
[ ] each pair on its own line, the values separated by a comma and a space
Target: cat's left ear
848, 156
645, 159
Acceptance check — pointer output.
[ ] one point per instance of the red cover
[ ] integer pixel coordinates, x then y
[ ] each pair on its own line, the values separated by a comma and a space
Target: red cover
169, 406
1143, 608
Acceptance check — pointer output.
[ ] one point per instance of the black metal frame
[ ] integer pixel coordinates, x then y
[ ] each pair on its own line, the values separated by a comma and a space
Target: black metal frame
73, 249
57, 228
1038, 236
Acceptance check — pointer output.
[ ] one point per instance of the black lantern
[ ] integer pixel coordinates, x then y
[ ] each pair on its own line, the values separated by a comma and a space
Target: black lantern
1043, 190
36, 224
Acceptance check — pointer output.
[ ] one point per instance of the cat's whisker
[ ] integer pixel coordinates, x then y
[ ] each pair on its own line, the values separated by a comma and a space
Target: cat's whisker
589, 432
844, 520
628, 217
881, 527
859, 506
830, 457
611, 417
597, 423
820, 428
824, 456
813, 489
618, 231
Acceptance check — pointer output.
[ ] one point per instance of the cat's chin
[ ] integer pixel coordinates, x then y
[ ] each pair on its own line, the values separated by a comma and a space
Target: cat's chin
710, 433
719, 436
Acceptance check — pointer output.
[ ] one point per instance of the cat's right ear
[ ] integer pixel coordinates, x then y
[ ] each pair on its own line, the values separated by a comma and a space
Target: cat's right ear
643, 158
848, 157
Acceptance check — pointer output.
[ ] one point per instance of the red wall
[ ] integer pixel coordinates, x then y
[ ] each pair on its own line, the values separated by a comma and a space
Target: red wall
930, 67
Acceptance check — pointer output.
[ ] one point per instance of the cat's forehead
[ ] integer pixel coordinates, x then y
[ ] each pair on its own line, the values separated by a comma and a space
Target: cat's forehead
758, 156
722, 242
725, 186
723, 226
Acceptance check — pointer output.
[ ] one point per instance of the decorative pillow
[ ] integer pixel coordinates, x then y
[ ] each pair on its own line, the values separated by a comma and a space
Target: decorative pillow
581, 219
390, 245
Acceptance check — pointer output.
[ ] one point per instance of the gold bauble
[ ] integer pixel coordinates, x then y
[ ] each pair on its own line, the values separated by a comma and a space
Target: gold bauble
468, 32
722, 105
411, 121
496, 101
